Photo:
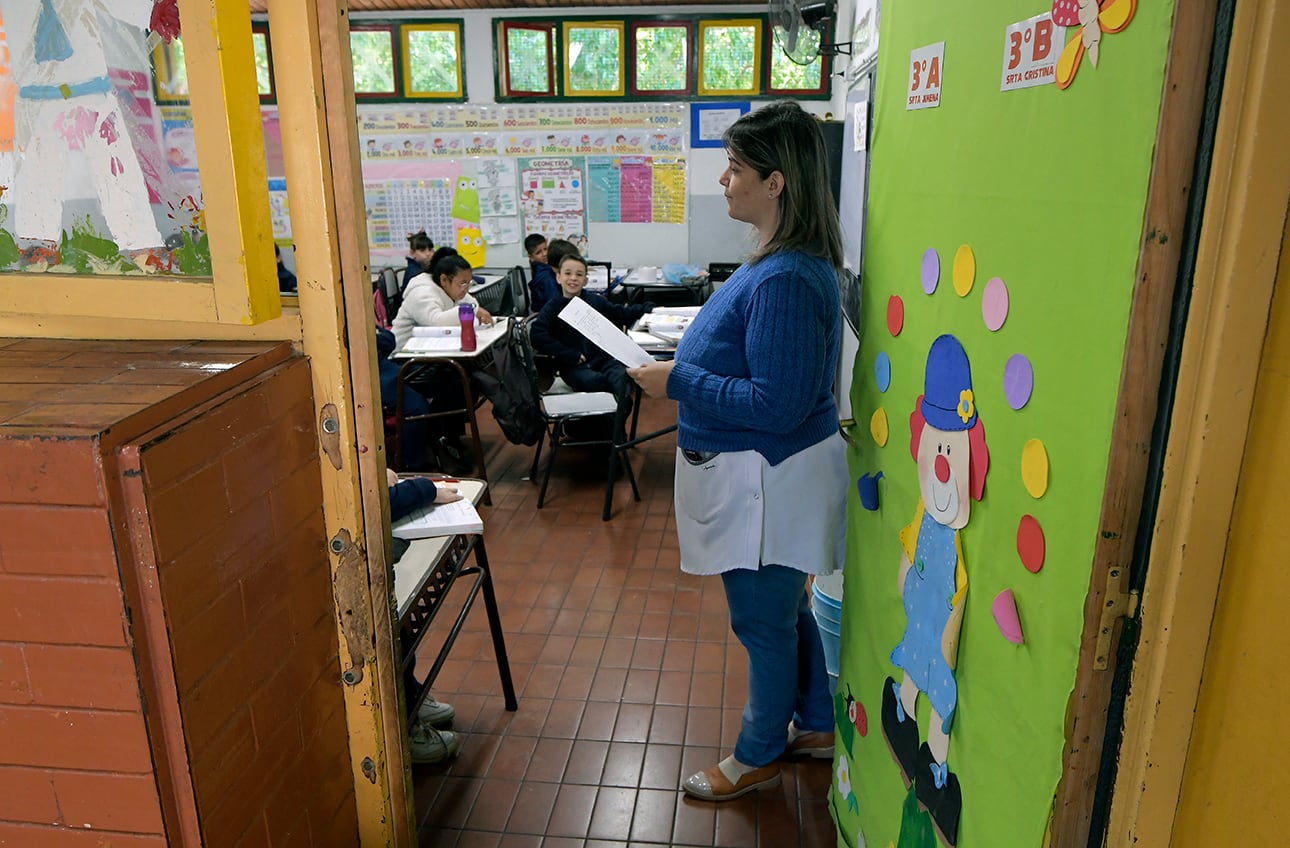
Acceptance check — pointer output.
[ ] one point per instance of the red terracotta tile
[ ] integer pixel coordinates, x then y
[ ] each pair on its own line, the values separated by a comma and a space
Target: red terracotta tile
633, 722
706, 689
493, 804
512, 757
28, 795
678, 656
598, 719
563, 719
703, 726
661, 768
532, 808
618, 652
456, 797
135, 805
549, 760
612, 816
641, 686
587, 650
586, 762
695, 822
623, 764
576, 682
608, 684
673, 687
654, 816
571, 814
531, 716
737, 822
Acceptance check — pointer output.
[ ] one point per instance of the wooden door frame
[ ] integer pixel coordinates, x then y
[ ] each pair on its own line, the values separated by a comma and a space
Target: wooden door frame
1237, 260
1163, 224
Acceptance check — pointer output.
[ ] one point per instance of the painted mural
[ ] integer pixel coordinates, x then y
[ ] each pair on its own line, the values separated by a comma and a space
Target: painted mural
84, 185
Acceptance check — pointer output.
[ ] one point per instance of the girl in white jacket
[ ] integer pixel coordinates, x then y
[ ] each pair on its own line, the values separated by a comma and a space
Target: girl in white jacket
431, 299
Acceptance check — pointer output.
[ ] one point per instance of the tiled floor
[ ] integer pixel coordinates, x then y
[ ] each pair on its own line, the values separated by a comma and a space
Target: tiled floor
627, 673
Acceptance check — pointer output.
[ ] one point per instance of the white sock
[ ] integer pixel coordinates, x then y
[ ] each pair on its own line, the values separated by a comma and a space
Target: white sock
733, 769
793, 732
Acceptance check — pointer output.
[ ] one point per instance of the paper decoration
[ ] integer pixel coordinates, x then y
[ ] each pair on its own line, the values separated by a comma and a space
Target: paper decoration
994, 304
1004, 609
1030, 51
964, 270
867, 488
882, 371
1034, 468
1092, 19
925, 67
1030, 543
1018, 380
895, 314
878, 427
931, 270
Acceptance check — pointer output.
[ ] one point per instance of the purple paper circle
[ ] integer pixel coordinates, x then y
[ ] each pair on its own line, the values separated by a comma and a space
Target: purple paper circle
994, 304
1018, 380
931, 270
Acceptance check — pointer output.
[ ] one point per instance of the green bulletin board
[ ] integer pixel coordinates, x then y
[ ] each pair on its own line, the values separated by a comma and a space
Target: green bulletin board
1010, 221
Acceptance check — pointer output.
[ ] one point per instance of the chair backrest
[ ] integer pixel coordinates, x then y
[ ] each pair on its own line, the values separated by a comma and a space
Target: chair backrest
381, 309
519, 283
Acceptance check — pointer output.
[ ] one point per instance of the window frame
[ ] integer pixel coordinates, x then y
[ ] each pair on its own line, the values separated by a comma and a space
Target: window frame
689, 25
390, 28
760, 63
406, 28
566, 68
163, 56
798, 93
501, 52
262, 28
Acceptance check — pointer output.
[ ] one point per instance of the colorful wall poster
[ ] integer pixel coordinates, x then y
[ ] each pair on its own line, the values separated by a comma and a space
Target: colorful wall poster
985, 385
552, 196
636, 189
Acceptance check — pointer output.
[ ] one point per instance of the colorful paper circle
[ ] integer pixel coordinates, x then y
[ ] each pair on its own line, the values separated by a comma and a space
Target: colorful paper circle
964, 270
895, 314
1006, 618
1034, 468
1018, 380
1030, 543
882, 371
931, 273
878, 427
994, 304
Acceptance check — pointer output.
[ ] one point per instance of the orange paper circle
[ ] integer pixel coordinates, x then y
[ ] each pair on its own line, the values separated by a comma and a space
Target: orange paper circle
1030, 543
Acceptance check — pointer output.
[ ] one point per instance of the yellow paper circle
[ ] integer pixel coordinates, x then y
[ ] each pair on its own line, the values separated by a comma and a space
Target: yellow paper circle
1034, 468
964, 270
878, 426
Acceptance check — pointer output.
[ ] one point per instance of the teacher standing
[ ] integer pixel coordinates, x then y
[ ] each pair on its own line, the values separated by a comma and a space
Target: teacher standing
761, 475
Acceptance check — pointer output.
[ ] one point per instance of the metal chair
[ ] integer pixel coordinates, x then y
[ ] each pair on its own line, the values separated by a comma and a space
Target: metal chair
559, 407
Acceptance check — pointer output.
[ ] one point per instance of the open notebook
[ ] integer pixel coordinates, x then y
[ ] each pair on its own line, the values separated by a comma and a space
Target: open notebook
440, 520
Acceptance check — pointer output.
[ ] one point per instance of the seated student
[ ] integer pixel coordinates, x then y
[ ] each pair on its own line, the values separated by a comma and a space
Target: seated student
582, 364
286, 279
542, 284
421, 249
414, 440
431, 299
428, 742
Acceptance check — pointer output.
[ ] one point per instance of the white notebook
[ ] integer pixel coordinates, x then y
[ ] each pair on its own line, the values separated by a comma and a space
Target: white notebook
430, 344
440, 520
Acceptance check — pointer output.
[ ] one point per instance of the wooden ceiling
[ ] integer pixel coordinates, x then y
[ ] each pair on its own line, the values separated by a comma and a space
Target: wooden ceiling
261, 6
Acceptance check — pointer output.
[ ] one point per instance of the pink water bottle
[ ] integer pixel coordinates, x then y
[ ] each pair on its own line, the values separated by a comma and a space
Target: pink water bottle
466, 312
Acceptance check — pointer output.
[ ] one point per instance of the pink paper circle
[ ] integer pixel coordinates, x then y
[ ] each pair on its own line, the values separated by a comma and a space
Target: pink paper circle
994, 304
1018, 380
931, 272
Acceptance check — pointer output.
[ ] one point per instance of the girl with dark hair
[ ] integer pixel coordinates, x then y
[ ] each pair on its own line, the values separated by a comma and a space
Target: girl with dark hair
421, 250
431, 299
761, 472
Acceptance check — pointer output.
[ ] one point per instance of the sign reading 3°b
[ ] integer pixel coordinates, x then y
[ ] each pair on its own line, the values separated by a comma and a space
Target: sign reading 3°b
925, 66
1030, 51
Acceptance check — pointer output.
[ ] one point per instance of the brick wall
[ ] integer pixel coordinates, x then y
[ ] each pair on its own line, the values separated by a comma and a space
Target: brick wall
247, 593
78, 765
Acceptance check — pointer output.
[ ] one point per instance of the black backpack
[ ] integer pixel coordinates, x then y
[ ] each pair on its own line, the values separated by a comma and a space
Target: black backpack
510, 387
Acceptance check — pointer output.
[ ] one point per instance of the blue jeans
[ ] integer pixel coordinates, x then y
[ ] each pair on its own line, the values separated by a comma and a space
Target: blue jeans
771, 616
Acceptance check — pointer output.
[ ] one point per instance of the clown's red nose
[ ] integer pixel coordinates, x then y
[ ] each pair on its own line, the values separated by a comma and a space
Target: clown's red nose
942, 469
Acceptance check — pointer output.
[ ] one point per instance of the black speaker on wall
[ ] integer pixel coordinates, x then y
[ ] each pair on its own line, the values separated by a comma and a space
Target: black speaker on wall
833, 152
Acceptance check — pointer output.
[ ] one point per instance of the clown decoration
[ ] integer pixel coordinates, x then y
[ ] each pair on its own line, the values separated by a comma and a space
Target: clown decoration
948, 443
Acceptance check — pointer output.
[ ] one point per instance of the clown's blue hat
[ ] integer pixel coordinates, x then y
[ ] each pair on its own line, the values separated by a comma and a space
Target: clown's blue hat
948, 402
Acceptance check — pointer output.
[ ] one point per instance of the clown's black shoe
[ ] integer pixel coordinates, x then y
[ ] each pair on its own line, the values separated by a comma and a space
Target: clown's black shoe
944, 803
901, 736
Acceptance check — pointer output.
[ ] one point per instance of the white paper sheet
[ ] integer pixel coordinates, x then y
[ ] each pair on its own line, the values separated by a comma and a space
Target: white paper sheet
603, 334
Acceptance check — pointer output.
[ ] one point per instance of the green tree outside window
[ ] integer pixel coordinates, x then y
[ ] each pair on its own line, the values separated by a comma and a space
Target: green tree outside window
728, 58
660, 58
263, 82
526, 60
785, 74
594, 59
373, 58
433, 58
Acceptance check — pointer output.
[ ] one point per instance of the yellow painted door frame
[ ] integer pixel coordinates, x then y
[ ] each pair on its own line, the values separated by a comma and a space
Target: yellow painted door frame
1236, 266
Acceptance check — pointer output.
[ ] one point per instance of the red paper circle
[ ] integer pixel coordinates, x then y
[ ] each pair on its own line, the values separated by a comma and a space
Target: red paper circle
1030, 543
895, 315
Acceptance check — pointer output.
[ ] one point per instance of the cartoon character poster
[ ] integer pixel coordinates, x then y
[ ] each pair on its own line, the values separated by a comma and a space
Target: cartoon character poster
997, 282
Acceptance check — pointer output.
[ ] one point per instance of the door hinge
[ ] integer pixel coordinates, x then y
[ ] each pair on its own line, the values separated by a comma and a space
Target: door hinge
1117, 603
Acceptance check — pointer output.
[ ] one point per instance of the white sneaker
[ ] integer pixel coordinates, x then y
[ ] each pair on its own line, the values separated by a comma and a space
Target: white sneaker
427, 745
434, 713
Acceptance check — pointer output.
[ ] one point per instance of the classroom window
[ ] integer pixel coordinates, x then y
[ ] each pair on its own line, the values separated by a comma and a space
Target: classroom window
432, 60
372, 51
263, 69
528, 59
729, 57
662, 58
788, 76
169, 72
593, 59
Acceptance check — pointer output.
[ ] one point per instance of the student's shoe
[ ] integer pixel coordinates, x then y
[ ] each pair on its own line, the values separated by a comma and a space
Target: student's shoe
939, 793
427, 745
901, 734
435, 713
809, 743
711, 784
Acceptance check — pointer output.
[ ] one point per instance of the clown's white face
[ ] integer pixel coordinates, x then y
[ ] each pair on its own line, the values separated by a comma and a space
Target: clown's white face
943, 475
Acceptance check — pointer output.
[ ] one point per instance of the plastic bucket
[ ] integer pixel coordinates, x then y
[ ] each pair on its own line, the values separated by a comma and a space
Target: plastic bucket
826, 603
